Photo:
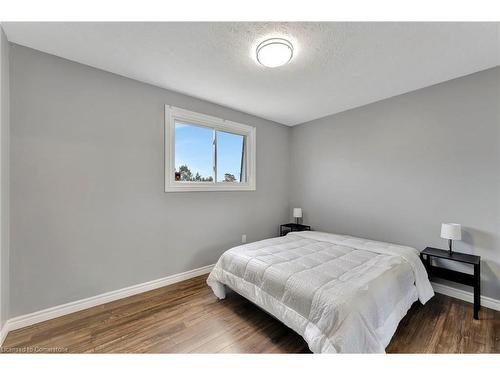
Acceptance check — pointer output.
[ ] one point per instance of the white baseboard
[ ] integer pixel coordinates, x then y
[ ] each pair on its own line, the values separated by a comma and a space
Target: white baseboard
3, 333
71, 307
464, 295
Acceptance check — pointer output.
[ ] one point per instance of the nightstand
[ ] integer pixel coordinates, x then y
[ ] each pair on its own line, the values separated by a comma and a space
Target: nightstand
458, 277
292, 227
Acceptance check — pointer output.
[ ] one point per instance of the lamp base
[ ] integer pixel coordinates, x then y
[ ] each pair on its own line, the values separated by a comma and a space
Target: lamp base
450, 244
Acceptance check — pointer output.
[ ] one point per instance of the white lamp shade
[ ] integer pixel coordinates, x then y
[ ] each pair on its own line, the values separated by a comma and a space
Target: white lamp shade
451, 231
297, 212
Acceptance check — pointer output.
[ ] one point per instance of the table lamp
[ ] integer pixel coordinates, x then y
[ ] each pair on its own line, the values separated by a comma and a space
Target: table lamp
297, 214
451, 231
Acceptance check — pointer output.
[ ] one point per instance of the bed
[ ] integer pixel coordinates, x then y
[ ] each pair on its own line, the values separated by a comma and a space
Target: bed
342, 294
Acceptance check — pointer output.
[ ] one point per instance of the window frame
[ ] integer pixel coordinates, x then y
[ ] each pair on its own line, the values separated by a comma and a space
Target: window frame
175, 114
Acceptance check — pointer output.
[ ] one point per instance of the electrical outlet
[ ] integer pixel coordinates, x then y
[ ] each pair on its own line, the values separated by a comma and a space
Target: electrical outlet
243, 238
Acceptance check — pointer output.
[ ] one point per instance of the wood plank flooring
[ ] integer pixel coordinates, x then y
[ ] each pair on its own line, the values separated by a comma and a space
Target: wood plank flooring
187, 318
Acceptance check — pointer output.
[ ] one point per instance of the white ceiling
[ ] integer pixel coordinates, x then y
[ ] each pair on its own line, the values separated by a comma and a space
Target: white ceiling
336, 66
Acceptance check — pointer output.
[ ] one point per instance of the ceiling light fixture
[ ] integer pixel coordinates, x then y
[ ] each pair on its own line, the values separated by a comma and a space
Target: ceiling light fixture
274, 52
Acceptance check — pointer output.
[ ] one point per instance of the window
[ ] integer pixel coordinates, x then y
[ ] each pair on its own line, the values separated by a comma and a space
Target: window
205, 153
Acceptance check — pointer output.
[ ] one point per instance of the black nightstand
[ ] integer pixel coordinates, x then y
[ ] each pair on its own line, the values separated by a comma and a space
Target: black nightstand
458, 277
292, 227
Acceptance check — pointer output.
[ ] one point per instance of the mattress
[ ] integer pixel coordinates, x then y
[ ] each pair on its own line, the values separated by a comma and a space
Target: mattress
342, 294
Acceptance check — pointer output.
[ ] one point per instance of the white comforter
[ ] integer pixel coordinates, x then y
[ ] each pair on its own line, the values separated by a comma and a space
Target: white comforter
342, 294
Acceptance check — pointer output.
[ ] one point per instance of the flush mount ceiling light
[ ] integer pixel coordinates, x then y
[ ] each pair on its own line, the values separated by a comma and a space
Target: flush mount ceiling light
274, 52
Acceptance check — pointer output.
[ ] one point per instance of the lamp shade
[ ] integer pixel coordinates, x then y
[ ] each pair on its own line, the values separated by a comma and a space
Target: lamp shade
451, 231
297, 212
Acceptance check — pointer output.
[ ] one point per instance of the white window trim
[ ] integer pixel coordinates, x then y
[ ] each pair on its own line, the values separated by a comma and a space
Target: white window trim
173, 114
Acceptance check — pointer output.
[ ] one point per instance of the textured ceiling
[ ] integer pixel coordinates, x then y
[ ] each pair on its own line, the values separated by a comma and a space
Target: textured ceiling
336, 66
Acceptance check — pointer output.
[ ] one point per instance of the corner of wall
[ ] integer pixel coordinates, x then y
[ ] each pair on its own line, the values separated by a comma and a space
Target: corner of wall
293, 201
4, 179
290, 172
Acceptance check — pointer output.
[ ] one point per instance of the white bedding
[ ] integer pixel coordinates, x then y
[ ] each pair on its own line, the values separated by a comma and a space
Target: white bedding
342, 294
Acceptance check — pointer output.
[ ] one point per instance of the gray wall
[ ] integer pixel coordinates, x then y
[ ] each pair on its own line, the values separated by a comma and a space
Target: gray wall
396, 169
4, 177
88, 209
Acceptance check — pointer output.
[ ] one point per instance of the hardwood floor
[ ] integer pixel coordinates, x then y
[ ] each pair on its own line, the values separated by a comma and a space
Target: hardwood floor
187, 318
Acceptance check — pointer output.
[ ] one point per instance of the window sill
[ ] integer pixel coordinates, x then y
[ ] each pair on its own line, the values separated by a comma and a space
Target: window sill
179, 188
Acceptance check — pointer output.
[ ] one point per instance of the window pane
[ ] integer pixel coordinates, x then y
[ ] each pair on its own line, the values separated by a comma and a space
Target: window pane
193, 153
230, 157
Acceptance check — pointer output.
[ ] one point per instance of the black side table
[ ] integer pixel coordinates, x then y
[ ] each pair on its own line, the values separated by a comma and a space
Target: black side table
458, 277
293, 227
